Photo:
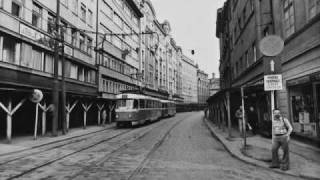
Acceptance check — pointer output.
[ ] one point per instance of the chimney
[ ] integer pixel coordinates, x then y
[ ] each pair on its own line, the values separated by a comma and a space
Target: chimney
213, 75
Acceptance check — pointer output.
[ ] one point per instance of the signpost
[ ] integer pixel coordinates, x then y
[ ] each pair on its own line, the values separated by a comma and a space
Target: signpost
271, 46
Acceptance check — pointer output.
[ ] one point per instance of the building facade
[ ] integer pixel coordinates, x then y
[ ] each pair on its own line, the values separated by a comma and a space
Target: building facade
27, 34
298, 24
109, 46
240, 27
203, 87
189, 80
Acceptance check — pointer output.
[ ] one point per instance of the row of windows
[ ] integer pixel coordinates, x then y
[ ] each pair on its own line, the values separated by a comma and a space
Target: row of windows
119, 42
242, 19
111, 14
124, 5
248, 58
86, 15
119, 66
81, 41
115, 87
22, 54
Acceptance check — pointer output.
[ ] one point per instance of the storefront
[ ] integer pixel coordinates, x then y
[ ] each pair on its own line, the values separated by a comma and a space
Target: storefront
304, 99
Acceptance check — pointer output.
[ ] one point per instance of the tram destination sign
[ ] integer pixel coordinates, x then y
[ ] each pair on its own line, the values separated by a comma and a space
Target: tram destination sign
273, 82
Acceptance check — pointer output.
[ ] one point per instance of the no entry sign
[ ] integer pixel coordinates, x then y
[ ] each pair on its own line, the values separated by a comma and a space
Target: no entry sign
273, 82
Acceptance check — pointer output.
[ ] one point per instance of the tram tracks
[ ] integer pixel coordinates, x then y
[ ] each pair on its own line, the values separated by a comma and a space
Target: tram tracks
5, 158
26, 171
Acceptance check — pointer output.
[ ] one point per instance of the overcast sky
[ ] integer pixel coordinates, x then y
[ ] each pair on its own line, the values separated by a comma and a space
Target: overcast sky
193, 24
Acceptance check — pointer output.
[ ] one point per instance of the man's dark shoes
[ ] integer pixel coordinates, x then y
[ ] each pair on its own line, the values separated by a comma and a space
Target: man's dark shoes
274, 166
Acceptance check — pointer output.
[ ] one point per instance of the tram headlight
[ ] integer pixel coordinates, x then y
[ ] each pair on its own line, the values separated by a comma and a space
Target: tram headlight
130, 115
117, 116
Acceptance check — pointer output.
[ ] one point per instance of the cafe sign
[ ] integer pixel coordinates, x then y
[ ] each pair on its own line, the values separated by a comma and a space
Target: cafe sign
273, 82
36, 36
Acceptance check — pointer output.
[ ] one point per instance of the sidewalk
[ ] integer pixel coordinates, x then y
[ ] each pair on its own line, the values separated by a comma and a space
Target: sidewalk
304, 159
27, 142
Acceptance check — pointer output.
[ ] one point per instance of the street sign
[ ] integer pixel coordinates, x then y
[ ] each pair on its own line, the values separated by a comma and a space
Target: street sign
273, 82
271, 45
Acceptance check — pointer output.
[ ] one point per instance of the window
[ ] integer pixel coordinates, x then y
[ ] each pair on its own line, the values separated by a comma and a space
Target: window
118, 20
244, 15
252, 5
80, 73
246, 56
90, 17
82, 42
36, 15
107, 10
117, 42
313, 8
254, 53
127, 10
89, 46
83, 12
120, 2
75, 6
135, 19
73, 71
64, 30
15, 9
288, 17
49, 65
37, 59
64, 2
10, 50
50, 23
74, 37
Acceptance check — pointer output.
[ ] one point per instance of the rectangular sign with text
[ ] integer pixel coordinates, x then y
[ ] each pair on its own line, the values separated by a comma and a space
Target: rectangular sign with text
273, 82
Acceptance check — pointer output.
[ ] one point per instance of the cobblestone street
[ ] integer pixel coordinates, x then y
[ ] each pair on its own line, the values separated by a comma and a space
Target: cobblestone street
180, 147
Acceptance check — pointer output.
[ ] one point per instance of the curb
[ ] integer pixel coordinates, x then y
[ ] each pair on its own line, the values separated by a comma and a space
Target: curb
233, 154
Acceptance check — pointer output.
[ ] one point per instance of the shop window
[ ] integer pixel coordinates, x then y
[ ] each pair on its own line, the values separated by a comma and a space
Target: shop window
302, 108
36, 15
60, 68
15, 9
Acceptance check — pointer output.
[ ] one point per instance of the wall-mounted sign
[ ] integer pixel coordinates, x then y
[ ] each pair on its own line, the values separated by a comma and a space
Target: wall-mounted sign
68, 50
273, 82
36, 35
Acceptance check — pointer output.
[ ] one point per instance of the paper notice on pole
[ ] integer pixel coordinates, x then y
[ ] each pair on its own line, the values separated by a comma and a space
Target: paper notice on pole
273, 82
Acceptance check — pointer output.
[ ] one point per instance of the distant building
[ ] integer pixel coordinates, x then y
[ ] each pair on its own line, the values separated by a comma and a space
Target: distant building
189, 80
203, 86
214, 85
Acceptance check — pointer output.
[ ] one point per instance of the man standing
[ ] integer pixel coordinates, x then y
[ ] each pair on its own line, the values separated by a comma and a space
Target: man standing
239, 117
281, 129
252, 119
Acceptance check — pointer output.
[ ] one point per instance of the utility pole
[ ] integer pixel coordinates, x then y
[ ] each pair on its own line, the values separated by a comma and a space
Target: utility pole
63, 85
55, 90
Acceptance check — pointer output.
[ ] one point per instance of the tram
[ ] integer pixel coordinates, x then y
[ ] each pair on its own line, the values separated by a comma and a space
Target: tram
134, 109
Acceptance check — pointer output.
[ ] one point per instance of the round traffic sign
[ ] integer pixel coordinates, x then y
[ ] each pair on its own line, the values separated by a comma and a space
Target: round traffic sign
271, 45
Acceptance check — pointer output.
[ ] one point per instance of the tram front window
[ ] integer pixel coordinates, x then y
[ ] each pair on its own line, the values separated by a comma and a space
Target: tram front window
127, 104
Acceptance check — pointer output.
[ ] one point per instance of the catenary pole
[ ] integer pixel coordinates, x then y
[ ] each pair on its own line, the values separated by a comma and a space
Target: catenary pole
55, 90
